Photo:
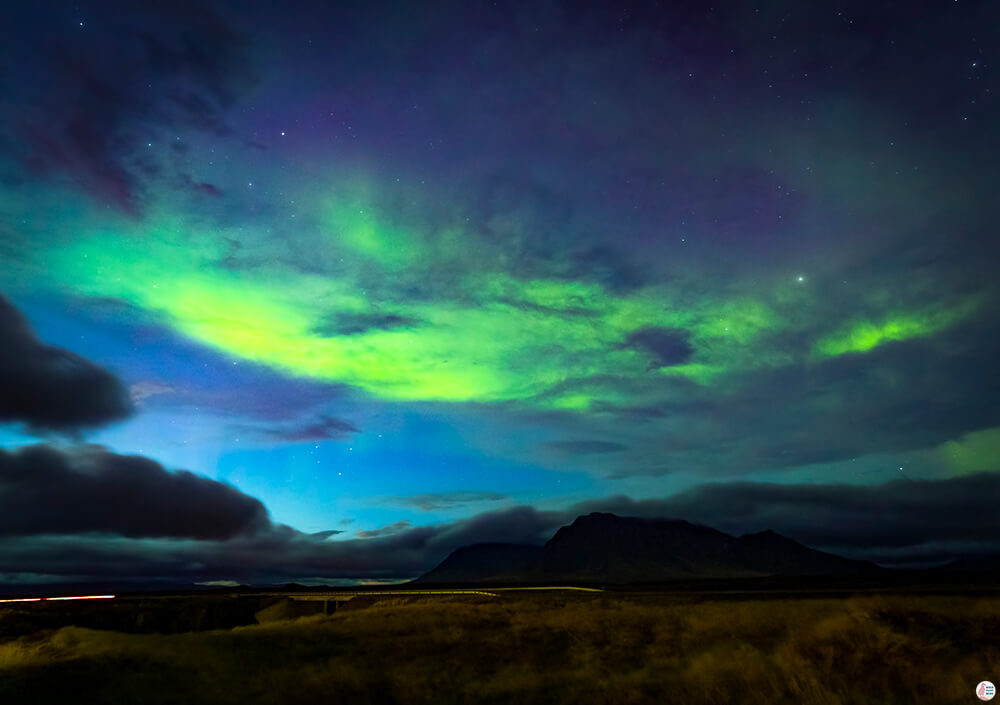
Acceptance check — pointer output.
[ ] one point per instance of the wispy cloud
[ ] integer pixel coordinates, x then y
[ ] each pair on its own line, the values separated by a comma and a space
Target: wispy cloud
446, 500
585, 447
381, 532
323, 428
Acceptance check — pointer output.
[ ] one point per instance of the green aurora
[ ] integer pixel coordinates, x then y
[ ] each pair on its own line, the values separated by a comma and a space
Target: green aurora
492, 337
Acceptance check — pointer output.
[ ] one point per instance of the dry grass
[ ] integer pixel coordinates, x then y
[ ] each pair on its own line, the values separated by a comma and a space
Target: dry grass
537, 650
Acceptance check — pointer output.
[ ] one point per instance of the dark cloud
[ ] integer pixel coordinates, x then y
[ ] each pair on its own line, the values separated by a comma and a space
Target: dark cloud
898, 397
447, 500
585, 447
636, 412
51, 388
325, 534
515, 525
48, 491
324, 428
357, 323
895, 522
93, 102
895, 514
665, 346
279, 554
388, 530
567, 311
607, 266
202, 188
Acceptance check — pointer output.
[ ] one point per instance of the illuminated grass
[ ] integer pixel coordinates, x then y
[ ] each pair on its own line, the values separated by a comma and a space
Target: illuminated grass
532, 648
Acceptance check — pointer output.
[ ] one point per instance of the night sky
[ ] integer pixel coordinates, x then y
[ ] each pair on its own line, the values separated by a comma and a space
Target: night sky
325, 290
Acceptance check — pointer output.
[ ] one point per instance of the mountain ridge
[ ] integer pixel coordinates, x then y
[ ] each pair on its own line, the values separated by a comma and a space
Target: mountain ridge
606, 548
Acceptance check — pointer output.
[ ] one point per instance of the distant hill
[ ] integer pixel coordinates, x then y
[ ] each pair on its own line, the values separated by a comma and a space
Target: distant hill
484, 562
775, 554
605, 548
973, 564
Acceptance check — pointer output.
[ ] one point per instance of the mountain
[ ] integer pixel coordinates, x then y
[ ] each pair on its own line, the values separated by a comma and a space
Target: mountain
989, 563
774, 554
609, 548
605, 548
483, 562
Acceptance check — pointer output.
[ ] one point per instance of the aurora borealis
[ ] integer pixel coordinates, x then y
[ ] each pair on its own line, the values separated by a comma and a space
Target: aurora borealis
409, 273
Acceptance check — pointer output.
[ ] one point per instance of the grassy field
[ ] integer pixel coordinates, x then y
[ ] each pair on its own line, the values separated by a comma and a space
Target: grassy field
531, 648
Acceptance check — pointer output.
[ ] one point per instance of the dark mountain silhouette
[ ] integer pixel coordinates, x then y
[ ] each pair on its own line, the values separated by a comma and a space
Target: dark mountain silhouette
775, 554
487, 561
978, 564
605, 548
610, 548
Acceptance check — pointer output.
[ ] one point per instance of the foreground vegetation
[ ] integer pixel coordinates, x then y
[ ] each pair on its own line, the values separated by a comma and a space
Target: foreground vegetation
531, 649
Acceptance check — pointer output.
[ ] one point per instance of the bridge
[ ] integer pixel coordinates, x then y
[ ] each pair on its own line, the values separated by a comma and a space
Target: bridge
340, 596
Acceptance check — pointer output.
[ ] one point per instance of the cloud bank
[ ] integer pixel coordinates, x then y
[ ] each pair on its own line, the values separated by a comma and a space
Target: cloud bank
49, 388
91, 490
